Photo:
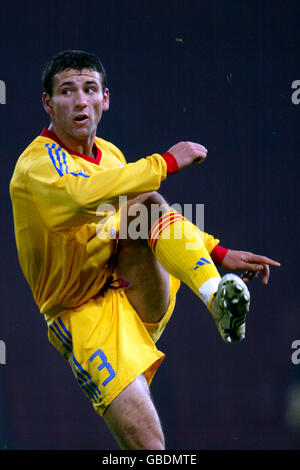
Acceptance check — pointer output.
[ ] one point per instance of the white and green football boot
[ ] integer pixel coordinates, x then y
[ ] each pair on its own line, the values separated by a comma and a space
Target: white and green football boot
229, 308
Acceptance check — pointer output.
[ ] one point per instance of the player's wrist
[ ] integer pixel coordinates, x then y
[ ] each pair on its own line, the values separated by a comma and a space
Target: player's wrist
218, 254
172, 165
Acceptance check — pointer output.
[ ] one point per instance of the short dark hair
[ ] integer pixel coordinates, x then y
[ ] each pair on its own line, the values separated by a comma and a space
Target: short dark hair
76, 60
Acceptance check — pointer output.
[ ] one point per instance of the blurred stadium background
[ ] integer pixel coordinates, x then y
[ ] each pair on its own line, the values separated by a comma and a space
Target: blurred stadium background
219, 73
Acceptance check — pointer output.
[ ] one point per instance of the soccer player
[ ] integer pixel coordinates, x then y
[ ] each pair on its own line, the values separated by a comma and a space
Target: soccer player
107, 298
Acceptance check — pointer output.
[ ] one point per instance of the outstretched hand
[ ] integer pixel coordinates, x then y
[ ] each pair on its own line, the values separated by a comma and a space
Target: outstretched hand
250, 263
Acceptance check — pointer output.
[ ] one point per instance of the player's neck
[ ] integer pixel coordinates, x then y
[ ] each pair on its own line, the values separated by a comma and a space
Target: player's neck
84, 147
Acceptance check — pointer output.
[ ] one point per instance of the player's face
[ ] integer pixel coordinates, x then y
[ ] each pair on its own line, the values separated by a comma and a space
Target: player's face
77, 103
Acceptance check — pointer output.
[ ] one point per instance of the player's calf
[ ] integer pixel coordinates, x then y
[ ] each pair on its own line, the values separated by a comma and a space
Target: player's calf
149, 283
133, 419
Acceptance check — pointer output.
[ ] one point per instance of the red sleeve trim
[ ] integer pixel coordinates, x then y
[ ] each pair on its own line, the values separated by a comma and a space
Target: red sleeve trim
171, 162
218, 254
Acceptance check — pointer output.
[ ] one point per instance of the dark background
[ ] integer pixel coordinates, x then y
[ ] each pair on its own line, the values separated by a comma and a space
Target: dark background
218, 73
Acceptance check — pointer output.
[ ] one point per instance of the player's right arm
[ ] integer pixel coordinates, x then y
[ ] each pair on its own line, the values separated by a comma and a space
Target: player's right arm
69, 198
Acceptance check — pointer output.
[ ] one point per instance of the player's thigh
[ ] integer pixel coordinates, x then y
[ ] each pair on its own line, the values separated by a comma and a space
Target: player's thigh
133, 419
149, 286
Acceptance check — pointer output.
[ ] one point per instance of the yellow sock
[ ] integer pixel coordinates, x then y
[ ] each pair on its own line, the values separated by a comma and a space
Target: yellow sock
179, 247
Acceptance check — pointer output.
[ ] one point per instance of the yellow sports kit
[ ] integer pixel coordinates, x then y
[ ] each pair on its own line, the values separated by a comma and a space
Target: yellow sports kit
66, 218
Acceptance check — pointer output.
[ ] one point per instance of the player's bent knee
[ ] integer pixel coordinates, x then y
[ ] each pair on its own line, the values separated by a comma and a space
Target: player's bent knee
155, 198
153, 202
156, 205
152, 197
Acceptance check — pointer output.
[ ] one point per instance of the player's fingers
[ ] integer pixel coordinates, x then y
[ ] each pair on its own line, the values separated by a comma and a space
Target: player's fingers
251, 258
249, 275
199, 159
200, 152
200, 148
201, 156
252, 274
253, 267
245, 277
266, 274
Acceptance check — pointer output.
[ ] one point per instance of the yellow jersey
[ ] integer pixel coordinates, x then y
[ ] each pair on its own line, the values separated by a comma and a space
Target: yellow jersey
55, 195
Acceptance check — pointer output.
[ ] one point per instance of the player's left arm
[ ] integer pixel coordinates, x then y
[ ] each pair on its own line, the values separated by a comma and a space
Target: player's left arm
250, 263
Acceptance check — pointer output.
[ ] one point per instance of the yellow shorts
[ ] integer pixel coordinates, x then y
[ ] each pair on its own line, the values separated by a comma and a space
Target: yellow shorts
107, 345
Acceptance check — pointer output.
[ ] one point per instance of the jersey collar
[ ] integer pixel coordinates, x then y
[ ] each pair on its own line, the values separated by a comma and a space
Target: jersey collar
97, 152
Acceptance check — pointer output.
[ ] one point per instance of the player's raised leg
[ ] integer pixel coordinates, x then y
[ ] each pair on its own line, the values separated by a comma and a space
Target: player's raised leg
179, 249
133, 419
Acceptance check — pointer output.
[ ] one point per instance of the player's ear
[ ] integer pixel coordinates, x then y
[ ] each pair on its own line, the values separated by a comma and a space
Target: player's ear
105, 103
47, 103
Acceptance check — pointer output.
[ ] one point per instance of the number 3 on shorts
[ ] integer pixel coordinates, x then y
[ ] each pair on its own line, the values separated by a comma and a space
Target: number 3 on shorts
104, 364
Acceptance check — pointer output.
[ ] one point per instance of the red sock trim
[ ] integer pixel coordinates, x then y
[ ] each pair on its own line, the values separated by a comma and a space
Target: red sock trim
160, 226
